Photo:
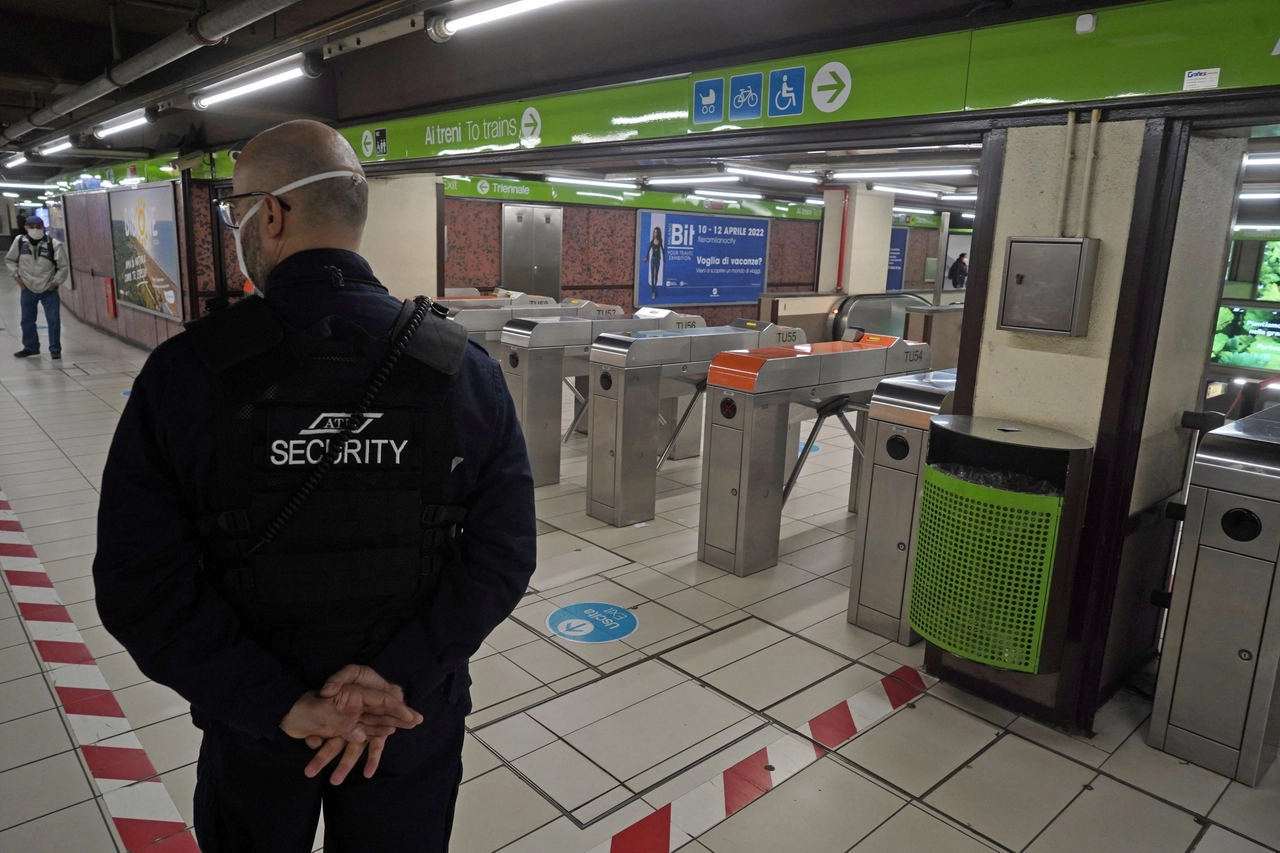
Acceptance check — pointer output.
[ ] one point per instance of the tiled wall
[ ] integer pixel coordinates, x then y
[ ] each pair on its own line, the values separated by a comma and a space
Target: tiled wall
598, 255
922, 243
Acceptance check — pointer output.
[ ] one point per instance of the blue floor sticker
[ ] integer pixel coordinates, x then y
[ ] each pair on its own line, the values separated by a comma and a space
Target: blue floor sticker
592, 622
816, 448
125, 393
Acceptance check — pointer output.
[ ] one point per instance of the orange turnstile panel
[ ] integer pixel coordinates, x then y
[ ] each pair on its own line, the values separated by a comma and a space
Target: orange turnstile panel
739, 369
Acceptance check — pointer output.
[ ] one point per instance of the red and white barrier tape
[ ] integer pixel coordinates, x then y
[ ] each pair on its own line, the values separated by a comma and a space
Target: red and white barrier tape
136, 799
692, 814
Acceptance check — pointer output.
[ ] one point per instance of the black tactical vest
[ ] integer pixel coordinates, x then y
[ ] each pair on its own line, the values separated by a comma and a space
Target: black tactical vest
362, 554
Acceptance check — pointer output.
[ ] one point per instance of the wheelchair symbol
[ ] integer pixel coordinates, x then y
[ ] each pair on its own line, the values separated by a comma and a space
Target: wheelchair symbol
786, 98
745, 98
708, 102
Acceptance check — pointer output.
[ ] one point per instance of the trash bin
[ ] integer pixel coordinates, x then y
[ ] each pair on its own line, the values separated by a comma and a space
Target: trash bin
1000, 510
888, 487
1216, 696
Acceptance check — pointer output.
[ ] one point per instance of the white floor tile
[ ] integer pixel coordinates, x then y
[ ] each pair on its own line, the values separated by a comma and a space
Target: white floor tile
565, 775
742, 592
544, 661
1058, 742
1012, 791
914, 829
1110, 816
1218, 840
920, 745
803, 606
79, 829
479, 827
837, 634
604, 697
774, 673
1252, 812
41, 787
824, 695
724, 647
1164, 775
801, 808
496, 679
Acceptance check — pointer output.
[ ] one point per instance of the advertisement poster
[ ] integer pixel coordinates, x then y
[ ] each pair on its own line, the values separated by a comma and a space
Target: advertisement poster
897, 256
1247, 337
144, 240
699, 259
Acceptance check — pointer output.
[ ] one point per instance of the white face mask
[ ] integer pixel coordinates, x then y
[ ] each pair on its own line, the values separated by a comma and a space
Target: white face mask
302, 182
36, 233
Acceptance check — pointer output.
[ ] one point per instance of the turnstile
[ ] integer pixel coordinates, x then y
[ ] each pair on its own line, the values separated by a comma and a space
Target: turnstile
484, 324
888, 490
750, 394
1216, 702
633, 376
538, 354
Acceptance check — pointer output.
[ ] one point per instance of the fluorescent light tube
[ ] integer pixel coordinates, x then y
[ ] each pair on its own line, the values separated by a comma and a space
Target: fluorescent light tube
726, 194
123, 123
903, 191
15, 161
252, 81
1258, 196
770, 175
15, 185
11, 195
1275, 227
684, 180
902, 173
54, 147
496, 14
1261, 160
967, 215
960, 197
923, 210
587, 182
815, 201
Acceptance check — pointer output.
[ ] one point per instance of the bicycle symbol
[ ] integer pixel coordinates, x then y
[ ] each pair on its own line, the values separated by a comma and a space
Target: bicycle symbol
745, 98
786, 97
708, 102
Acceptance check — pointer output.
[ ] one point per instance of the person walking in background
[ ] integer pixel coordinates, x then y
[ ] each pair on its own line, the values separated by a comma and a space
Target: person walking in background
38, 263
959, 272
654, 255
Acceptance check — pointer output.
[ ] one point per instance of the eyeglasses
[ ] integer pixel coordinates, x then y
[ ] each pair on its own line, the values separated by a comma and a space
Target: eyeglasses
226, 207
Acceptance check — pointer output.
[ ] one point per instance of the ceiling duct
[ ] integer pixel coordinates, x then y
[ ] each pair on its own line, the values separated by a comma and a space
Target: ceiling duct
206, 30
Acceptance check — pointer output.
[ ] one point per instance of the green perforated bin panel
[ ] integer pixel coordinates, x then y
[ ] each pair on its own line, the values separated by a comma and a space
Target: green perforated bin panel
984, 559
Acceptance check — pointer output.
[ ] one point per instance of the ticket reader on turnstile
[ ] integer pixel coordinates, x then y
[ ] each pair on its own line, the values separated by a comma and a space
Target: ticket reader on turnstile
538, 354
484, 324
1217, 703
749, 396
888, 491
632, 374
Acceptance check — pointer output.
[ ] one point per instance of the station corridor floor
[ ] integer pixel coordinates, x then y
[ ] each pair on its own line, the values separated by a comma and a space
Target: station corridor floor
744, 714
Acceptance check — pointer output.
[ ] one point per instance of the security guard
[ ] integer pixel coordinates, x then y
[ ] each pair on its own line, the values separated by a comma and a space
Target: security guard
316, 507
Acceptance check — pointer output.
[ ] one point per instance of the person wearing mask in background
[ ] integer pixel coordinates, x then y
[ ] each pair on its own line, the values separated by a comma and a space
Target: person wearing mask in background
654, 255
317, 505
38, 263
959, 272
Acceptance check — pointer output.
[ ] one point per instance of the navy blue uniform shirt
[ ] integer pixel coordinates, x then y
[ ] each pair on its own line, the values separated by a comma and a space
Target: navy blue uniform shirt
183, 634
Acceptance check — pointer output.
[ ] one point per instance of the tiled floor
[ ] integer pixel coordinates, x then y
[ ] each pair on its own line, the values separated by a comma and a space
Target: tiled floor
577, 742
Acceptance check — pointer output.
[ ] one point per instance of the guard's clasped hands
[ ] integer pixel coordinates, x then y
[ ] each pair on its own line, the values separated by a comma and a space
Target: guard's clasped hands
356, 709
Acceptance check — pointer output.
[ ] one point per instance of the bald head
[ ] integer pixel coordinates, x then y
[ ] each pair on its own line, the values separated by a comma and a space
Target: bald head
300, 149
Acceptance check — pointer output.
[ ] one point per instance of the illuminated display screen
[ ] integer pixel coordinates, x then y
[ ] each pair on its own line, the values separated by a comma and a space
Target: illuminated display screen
1247, 337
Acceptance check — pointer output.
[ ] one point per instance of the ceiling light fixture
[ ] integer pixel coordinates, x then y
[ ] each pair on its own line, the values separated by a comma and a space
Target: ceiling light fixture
901, 173
441, 28
16, 185
1261, 160
726, 194
959, 196
968, 215
588, 182
11, 195
15, 161
273, 74
54, 147
923, 210
686, 180
1275, 227
1259, 196
904, 191
123, 123
815, 201
770, 175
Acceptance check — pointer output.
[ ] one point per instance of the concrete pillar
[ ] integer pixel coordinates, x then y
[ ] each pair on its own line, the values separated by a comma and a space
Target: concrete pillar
401, 237
1192, 291
1045, 379
866, 243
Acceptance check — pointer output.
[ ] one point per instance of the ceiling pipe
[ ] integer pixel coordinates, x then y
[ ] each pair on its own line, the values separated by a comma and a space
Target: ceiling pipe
206, 30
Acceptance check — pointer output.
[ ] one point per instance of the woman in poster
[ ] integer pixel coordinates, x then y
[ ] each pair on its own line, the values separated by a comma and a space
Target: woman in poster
657, 254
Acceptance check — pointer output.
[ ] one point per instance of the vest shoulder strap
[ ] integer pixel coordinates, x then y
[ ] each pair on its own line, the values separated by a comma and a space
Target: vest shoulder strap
236, 334
439, 343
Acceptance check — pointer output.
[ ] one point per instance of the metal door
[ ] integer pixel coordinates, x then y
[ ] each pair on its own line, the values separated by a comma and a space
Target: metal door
1220, 645
884, 566
604, 461
724, 474
531, 238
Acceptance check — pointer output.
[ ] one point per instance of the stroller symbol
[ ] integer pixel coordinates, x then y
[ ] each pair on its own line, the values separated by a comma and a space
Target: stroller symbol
708, 102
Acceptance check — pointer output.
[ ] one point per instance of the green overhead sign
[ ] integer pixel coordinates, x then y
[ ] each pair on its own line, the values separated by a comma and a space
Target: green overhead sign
1146, 49
506, 189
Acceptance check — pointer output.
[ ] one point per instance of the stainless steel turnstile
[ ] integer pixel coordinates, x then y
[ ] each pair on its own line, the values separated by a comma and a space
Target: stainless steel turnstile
484, 325
749, 397
1216, 700
633, 374
539, 354
888, 488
